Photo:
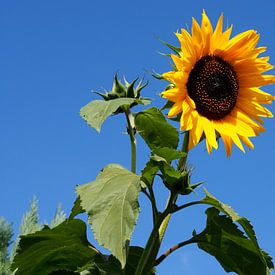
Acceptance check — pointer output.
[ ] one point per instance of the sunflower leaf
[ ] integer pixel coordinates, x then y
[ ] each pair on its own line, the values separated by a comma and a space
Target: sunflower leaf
167, 153
266, 261
77, 209
155, 130
111, 202
233, 250
149, 172
64, 247
97, 111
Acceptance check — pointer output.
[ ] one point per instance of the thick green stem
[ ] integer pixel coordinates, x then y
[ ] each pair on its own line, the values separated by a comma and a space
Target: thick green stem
150, 252
132, 134
151, 249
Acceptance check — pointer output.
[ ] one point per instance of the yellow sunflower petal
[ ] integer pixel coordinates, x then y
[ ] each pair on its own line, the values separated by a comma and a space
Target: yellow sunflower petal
196, 131
255, 80
209, 131
178, 62
247, 142
207, 31
237, 141
253, 108
174, 94
186, 121
217, 35
227, 144
256, 94
197, 38
175, 110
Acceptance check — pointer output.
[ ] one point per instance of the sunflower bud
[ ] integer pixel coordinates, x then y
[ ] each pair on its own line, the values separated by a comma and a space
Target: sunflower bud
177, 181
126, 90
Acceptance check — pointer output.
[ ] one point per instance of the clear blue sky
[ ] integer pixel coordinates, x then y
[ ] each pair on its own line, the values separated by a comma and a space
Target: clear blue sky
53, 53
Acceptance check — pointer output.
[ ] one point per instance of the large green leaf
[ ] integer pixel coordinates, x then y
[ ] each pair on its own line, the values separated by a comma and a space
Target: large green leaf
63, 248
111, 202
234, 251
97, 111
243, 222
155, 130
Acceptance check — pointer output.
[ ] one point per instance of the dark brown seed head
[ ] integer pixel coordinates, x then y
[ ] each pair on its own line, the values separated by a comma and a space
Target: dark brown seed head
213, 85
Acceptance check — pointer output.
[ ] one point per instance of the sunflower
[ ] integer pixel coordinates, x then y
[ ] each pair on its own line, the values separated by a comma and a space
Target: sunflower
215, 85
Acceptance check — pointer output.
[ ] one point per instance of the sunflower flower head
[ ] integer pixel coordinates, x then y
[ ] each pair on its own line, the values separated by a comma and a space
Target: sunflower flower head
215, 86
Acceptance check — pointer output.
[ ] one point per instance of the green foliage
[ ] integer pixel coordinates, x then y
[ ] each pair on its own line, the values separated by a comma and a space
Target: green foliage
234, 251
109, 265
127, 90
30, 220
97, 111
168, 154
59, 217
64, 247
5, 241
120, 98
135, 253
266, 262
77, 208
111, 202
176, 50
29, 224
149, 172
178, 181
155, 130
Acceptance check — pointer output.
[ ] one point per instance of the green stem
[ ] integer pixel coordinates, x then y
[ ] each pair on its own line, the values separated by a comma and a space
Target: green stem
132, 134
151, 249
172, 249
154, 204
152, 199
181, 167
178, 208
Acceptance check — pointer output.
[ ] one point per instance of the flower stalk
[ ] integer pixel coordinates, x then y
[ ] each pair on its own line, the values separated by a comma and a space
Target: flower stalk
147, 260
132, 133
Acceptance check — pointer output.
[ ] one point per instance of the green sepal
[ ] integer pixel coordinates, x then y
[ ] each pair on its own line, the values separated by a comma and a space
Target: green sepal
139, 87
176, 50
157, 76
118, 89
125, 90
168, 104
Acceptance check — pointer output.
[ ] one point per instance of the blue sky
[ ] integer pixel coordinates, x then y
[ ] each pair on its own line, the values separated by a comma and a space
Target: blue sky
54, 53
